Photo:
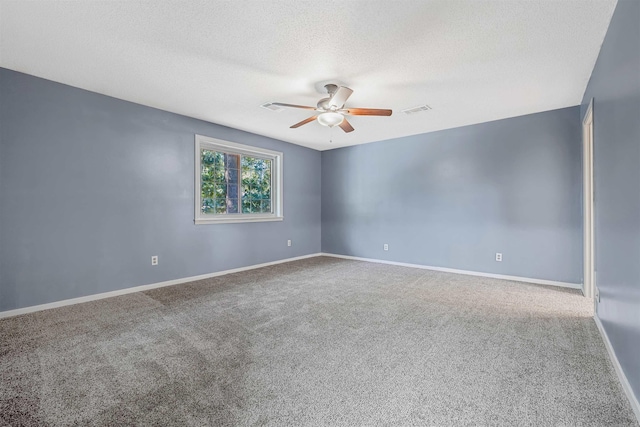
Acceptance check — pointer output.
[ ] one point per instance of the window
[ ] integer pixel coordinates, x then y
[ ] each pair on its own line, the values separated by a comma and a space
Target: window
236, 183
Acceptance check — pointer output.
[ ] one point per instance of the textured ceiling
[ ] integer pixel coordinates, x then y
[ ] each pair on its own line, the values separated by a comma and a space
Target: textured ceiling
471, 61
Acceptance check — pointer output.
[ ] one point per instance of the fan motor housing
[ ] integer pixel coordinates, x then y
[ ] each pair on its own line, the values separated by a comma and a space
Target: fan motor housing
323, 104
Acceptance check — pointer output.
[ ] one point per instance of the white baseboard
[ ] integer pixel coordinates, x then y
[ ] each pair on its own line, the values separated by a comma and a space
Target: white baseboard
616, 364
33, 308
466, 272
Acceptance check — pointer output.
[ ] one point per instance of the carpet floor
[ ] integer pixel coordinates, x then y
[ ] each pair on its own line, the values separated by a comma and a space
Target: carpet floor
321, 341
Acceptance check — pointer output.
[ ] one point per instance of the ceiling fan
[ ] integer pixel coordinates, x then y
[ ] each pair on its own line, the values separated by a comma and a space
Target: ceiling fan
331, 110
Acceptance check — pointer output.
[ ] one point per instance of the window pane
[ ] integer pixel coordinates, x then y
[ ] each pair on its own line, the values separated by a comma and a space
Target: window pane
208, 205
246, 205
208, 189
221, 206
219, 175
256, 185
266, 206
231, 161
232, 206
211, 159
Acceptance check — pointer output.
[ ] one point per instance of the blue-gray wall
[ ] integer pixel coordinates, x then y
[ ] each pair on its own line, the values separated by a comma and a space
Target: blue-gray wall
454, 198
615, 89
91, 187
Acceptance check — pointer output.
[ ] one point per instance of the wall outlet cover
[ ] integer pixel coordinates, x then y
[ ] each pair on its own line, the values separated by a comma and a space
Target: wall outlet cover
498, 257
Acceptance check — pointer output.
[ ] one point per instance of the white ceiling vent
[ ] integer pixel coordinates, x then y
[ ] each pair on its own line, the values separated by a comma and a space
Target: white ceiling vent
416, 109
270, 106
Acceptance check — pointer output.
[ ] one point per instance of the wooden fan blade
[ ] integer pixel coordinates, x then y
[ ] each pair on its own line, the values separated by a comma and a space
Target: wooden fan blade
366, 112
346, 126
340, 97
293, 106
304, 122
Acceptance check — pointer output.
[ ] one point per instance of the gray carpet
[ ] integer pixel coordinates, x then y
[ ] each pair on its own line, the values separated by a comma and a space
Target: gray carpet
321, 341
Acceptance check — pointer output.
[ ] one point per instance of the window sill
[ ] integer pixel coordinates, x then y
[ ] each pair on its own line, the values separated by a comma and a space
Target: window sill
236, 220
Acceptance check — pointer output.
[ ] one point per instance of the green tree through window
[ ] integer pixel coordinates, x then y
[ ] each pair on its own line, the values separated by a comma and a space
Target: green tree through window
230, 182
256, 185
236, 183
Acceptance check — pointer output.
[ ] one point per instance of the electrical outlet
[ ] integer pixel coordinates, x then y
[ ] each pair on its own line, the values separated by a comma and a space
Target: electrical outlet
386, 247
154, 260
288, 242
597, 295
498, 257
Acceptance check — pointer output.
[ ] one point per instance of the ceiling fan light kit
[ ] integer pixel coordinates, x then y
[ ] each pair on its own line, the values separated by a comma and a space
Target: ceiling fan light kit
330, 119
331, 110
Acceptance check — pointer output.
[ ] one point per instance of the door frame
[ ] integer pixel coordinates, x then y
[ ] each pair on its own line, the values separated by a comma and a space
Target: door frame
589, 279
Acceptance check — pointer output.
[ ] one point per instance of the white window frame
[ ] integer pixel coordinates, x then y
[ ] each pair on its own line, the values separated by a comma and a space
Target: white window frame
208, 143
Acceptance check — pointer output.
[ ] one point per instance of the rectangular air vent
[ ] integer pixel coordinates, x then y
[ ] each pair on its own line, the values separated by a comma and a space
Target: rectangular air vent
270, 106
416, 109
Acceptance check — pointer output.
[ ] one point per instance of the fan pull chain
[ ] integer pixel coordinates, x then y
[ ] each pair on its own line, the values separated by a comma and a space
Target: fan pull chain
331, 135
